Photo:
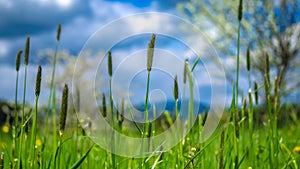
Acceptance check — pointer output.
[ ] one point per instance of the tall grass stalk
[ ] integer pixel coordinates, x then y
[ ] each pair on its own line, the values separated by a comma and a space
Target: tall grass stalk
234, 109
184, 83
26, 60
270, 121
49, 108
111, 109
233, 121
177, 120
276, 110
34, 119
240, 16
62, 119
243, 113
54, 126
251, 126
191, 97
16, 120
222, 140
150, 54
248, 66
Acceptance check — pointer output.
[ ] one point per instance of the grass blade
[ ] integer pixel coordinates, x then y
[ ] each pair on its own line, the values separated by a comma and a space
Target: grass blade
78, 163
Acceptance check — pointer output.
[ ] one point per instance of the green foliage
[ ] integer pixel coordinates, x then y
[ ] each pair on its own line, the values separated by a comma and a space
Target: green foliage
261, 29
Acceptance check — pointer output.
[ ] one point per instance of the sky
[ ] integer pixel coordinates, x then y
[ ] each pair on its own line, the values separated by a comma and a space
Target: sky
82, 21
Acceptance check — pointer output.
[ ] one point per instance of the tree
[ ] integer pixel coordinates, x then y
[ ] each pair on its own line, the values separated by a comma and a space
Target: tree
268, 27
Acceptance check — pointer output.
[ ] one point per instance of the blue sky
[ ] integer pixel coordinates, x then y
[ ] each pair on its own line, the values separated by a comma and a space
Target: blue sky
80, 19
39, 19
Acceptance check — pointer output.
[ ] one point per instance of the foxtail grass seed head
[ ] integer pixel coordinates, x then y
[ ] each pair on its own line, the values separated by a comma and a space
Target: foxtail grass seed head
267, 64
122, 108
184, 71
58, 32
150, 53
240, 14
18, 60
109, 64
104, 112
27, 48
244, 105
121, 120
38, 82
256, 93
64, 109
266, 84
175, 88
248, 59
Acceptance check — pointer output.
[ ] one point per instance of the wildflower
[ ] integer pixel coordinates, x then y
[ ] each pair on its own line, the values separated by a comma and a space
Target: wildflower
38, 143
193, 149
5, 128
297, 149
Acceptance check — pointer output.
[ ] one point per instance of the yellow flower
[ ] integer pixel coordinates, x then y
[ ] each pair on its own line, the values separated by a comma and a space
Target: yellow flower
5, 128
38, 143
297, 149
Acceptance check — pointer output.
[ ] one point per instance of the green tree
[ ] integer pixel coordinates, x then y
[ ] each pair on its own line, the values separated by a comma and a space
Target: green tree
268, 27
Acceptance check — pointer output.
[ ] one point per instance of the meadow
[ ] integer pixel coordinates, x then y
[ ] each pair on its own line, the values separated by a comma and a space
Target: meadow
250, 135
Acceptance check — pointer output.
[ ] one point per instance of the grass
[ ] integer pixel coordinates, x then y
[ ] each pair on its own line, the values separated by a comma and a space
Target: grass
242, 140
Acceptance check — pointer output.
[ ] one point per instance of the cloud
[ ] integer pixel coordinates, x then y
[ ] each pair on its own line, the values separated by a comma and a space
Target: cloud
79, 21
4, 47
20, 18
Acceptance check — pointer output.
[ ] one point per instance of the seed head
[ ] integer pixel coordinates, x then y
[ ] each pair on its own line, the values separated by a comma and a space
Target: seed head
109, 64
122, 112
18, 60
38, 82
27, 48
184, 71
58, 32
104, 112
240, 14
244, 105
266, 84
256, 93
248, 59
64, 109
123, 108
268, 67
175, 88
150, 52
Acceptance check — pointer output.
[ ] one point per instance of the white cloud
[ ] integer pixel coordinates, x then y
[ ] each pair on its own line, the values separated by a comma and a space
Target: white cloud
64, 3
4, 48
76, 32
6, 4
